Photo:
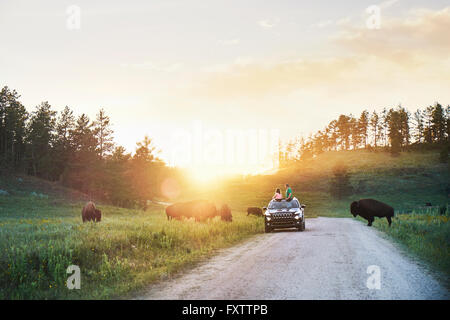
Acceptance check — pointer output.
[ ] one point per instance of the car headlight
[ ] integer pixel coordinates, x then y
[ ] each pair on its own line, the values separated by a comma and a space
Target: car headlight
297, 216
268, 218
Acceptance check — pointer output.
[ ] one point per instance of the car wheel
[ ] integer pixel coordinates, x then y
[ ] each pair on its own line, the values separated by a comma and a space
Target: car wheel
267, 229
302, 226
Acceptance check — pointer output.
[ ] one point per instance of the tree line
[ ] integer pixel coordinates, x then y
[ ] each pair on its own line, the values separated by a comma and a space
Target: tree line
394, 129
78, 152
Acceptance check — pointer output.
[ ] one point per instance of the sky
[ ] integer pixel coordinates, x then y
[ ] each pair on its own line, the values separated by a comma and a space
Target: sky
188, 73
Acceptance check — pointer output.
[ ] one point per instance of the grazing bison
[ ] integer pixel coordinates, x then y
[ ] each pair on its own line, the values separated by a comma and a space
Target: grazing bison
225, 213
370, 208
200, 210
90, 212
254, 210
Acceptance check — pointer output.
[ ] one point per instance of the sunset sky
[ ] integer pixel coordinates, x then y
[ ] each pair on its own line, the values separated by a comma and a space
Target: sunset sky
158, 67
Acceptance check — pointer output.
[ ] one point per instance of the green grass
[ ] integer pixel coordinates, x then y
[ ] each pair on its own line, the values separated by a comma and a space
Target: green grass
127, 250
426, 235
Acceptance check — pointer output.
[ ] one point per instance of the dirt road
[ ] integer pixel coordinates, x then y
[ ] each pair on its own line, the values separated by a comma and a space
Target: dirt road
327, 261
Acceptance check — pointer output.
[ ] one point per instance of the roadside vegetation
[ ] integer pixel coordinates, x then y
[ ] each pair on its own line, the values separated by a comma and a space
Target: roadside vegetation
128, 249
424, 233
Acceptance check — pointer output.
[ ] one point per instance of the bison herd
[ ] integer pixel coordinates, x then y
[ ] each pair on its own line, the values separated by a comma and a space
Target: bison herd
199, 210
202, 210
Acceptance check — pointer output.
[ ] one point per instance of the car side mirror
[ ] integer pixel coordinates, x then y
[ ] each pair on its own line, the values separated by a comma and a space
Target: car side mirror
303, 206
264, 208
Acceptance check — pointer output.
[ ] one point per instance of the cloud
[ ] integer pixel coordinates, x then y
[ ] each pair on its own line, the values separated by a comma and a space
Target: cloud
343, 21
388, 3
323, 24
153, 66
266, 24
422, 34
261, 78
403, 49
229, 42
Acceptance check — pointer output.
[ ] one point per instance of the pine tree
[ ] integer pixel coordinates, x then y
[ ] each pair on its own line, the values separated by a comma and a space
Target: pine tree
64, 148
343, 126
41, 138
428, 119
405, 135
144, 165
384, 121
394, 130
447, 122
375, 125
418, 126
103, 133
83, 173
438, 123
363, 124
355, 132
13, 116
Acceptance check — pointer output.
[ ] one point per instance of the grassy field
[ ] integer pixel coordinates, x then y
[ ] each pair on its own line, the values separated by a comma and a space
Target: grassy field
425, 235
128, 249
42, 234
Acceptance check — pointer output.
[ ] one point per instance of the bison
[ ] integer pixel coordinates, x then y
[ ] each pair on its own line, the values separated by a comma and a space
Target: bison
90, 212
200, 210
370, 208
225, 213
254, 210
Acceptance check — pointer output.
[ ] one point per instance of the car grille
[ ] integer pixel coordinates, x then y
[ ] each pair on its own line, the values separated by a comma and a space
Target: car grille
282, 218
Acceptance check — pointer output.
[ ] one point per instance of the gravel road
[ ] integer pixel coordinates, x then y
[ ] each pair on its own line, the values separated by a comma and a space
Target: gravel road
329, 260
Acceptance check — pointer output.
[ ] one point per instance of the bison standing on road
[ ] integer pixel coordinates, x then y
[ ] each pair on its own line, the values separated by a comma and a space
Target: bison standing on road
90, 212
370, 208
255, 211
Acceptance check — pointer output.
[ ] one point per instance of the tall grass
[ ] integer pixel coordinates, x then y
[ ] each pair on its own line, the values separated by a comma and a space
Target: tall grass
424, 233
127, 250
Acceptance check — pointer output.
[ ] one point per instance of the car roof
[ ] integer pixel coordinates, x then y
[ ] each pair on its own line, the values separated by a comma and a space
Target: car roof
284, 200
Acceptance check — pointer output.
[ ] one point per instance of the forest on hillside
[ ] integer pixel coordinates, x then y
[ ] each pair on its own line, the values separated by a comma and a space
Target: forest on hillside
81, 153
393, 130
78, 152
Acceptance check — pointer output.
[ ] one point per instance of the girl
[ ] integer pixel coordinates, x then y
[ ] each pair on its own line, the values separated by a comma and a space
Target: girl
277, 195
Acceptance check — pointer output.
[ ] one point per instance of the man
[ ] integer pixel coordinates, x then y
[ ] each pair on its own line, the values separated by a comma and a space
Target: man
289, 195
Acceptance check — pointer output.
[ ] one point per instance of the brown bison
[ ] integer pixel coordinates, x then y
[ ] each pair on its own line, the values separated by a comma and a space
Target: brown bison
200, 210
225, 213
90, 212
370, 208
255, 211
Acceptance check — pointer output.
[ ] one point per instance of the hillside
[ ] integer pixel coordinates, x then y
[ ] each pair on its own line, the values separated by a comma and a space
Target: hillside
41, 229
407, 181
24, 186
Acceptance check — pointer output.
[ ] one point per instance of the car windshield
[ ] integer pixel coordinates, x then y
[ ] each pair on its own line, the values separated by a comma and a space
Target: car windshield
284, 204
